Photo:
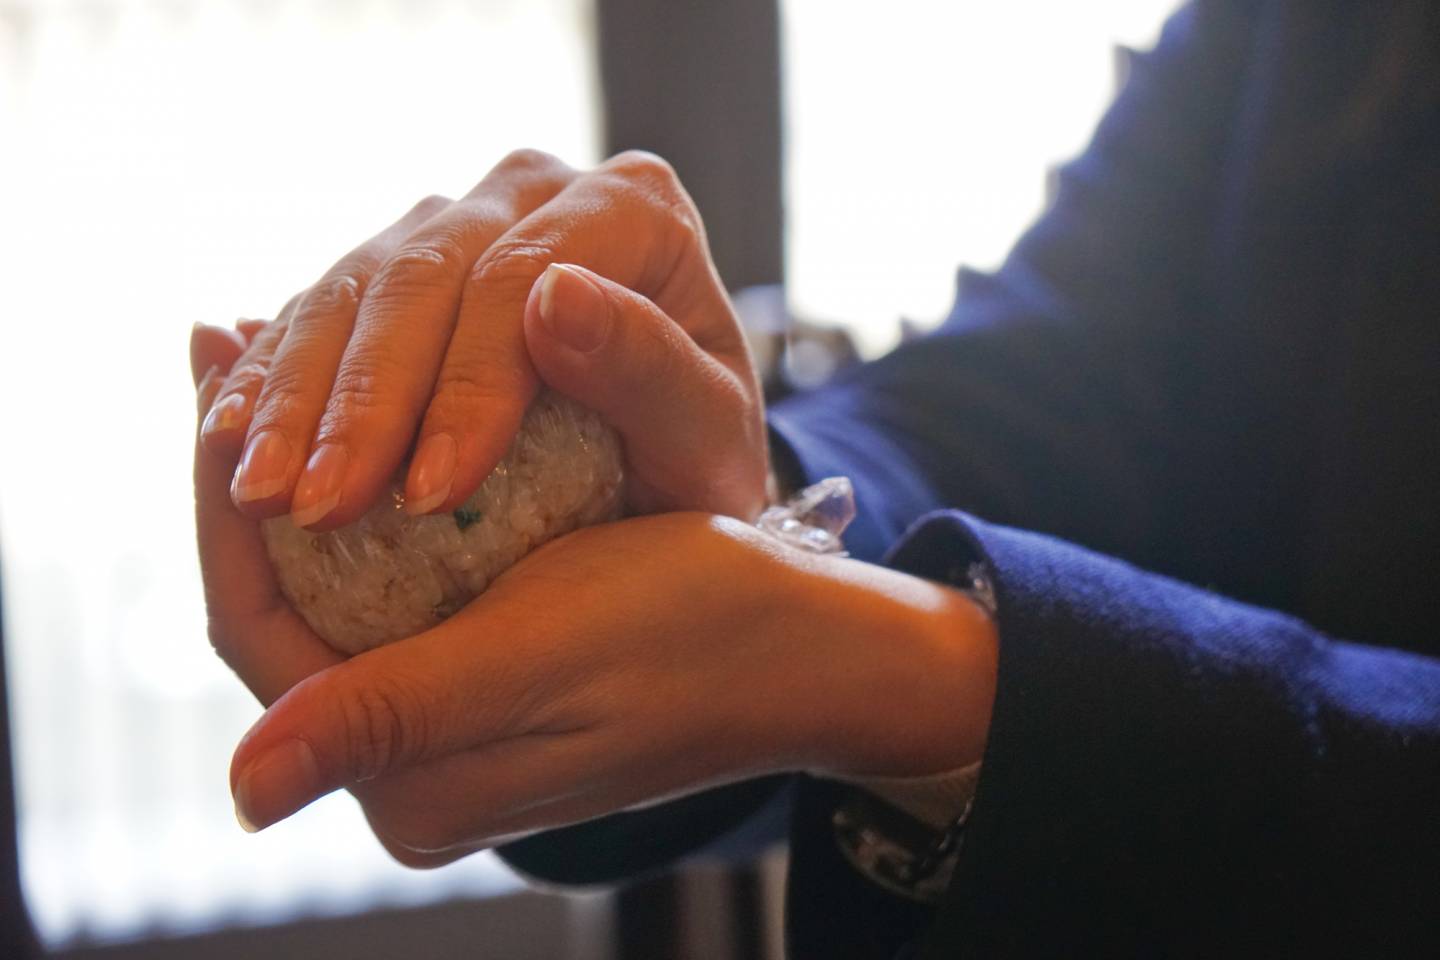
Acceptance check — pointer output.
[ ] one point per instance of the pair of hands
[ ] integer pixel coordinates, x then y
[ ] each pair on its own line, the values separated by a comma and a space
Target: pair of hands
689, 650
432, 336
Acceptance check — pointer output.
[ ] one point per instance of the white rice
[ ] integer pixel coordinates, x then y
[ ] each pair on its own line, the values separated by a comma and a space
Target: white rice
389, 575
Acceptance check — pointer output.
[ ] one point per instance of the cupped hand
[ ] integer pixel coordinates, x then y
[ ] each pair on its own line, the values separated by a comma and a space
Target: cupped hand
615, 667
251, 625
429, 340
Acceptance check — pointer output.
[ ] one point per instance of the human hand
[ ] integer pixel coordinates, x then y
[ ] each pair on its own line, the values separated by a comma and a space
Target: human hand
251, 625
690, 650
441, 323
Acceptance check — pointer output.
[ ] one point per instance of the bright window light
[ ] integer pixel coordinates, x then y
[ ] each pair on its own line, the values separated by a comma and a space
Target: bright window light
170, 161
165, 163
918, 137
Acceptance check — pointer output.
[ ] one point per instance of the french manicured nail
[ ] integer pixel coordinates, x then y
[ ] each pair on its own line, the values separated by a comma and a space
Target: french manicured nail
573, 309
276, 784
228, 414
263, 468
318, 491
431, 474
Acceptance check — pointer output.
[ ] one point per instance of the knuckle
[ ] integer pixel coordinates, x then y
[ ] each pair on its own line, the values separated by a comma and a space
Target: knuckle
248, 377
463, 391
645, 167
512, 264
338, 293
488, 214
424, 253
518, 183
650, 182
365, 386
418, 270
460, 390
431, 205
382, 727
283, 400
685, 223
528, 160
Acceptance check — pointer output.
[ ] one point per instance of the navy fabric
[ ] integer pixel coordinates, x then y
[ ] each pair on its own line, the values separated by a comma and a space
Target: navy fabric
1217, 358
1173, 773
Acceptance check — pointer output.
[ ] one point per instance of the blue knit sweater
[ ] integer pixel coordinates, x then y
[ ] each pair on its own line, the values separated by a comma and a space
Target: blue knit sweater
1216, 358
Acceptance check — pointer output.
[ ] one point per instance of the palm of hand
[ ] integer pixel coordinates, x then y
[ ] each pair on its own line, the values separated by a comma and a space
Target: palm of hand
519, 713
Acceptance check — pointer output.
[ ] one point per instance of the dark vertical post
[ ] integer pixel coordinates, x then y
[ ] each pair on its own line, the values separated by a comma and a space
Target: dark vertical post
747, 902
16, 939
699, 84
648, 920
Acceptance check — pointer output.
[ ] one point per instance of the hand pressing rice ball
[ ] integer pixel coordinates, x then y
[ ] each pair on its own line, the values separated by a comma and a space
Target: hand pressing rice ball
390, 575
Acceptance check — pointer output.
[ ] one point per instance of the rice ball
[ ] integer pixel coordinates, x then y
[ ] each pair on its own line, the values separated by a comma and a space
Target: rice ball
390, 575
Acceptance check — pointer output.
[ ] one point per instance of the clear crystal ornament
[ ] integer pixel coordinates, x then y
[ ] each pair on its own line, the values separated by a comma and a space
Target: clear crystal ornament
813, 519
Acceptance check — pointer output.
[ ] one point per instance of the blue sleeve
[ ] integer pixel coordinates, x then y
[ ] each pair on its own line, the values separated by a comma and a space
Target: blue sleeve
729, 822
1166, 767
1057, 395
1168, 771
1041, 398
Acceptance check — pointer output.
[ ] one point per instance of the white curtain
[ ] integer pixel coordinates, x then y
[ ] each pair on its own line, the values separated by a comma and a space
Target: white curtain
918, 137
163, 163
168, 161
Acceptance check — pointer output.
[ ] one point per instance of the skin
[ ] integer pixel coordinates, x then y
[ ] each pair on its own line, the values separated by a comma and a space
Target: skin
692, 650
427, 338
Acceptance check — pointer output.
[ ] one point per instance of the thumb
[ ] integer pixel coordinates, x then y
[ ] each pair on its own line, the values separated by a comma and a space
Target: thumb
685, 418
339, 727
375, 714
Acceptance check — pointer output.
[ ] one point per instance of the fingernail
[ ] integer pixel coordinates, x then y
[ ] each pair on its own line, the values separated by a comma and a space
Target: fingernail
276, 784
573, 309
245, 822
262, 467
318, 491
431, 473
228, 414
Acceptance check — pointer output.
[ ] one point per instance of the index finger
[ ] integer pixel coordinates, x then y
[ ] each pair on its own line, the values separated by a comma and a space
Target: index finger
281, 400
401, 329
630, 221
397, 706
251, 626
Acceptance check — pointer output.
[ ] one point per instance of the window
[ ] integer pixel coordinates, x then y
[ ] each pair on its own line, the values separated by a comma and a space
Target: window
918, 138
168, 162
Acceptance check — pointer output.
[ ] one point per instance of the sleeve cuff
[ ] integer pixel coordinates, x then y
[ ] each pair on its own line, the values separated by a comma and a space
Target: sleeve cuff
937, 800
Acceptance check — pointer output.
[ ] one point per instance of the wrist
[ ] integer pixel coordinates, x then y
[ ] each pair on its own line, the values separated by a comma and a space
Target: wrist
910, 670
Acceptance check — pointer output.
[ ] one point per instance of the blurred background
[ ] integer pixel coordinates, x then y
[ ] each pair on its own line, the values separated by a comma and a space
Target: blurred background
164, 162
